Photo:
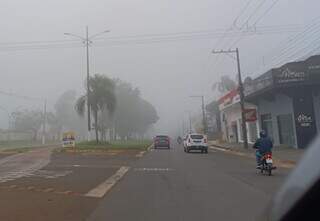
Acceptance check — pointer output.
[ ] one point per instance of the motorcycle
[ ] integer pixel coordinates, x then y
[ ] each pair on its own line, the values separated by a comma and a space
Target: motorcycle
179, 140
267, 164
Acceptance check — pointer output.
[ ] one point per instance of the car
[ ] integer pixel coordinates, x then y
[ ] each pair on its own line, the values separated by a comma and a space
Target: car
196, 141
161, 141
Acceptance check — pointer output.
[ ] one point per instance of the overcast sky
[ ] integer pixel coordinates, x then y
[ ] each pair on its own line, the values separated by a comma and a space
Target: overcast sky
167, 73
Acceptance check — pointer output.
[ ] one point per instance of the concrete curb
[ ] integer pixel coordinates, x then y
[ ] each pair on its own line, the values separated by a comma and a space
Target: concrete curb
281, 163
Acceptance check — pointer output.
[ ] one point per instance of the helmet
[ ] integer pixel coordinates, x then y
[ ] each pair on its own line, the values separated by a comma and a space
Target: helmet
262, 133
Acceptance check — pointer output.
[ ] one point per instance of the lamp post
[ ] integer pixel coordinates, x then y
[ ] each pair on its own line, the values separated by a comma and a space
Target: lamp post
87, 40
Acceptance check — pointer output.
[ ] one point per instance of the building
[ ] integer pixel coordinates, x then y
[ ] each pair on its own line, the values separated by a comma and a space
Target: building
231, 119
285, 102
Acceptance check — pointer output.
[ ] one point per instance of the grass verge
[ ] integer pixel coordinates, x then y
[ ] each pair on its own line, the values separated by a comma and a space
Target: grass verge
113, 145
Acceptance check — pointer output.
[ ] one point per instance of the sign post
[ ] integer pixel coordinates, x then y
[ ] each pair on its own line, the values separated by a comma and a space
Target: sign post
68, 139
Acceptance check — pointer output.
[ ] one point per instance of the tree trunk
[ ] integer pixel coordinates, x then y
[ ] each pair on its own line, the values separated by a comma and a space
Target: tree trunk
35, 134
96, 125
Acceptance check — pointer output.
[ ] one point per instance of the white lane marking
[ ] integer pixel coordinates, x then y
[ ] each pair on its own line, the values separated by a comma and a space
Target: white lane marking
153, 169
140, 154
104, 187
220, 149
149, 148
24, 164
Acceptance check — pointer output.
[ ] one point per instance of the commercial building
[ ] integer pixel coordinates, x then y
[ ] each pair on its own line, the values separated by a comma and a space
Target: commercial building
230, 110
287, 103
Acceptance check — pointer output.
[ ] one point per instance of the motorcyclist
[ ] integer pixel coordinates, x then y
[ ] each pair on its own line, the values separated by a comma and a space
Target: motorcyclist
263, 145
179, 140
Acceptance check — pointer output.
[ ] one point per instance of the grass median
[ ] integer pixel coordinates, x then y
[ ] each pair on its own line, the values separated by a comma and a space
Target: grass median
112, 145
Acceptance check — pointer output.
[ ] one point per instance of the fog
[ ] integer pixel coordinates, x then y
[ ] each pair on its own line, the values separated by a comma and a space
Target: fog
166, 72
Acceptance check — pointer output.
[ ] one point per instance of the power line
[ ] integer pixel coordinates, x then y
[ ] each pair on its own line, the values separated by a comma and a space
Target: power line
266, 12
24, 97
110, 42
296, 43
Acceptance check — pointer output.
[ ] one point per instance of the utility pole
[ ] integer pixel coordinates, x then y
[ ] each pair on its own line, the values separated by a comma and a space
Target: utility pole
44, 123
241, 93
87, 40
204, 120
88, 86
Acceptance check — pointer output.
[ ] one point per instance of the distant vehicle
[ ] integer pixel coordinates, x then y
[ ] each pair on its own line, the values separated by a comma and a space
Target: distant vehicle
161, 141
196, 142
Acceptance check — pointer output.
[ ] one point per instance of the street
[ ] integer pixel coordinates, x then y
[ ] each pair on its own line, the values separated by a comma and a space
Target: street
156, 185
173, 185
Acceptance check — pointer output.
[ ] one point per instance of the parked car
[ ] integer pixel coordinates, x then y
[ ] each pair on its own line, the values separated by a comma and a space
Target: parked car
161, 141
196, 142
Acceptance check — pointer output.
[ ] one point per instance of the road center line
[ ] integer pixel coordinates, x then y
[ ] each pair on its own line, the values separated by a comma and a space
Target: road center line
104, 187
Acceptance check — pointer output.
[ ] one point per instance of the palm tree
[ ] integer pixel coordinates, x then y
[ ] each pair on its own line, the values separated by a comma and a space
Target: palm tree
224, 84
101, 97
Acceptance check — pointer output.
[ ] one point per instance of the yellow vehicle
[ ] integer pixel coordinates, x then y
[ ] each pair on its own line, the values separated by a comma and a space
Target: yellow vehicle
68, 139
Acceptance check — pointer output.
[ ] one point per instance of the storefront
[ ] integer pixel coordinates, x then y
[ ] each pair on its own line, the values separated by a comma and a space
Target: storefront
288, 102
231, 120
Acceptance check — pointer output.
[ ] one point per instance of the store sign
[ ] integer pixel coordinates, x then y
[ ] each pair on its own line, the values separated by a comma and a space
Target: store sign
304, 120
251, 115
289, 76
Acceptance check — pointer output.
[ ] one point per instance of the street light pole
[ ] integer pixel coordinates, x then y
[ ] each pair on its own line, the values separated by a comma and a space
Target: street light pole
88, 86
241, 93
87, 40
204, 120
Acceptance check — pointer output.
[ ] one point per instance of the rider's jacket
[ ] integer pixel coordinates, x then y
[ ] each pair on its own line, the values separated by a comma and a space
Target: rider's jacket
263, 144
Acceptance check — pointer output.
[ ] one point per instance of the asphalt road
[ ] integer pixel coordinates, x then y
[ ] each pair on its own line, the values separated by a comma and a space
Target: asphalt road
173, 185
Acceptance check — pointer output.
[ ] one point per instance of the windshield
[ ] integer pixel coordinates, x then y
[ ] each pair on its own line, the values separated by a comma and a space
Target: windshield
196, 136
154, 109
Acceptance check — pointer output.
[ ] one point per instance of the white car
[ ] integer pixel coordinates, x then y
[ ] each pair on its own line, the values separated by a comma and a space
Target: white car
195, 142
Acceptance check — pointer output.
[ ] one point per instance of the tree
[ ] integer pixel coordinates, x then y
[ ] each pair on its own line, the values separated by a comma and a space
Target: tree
224, 85
133, 115
66, 115
102, 97
28, 121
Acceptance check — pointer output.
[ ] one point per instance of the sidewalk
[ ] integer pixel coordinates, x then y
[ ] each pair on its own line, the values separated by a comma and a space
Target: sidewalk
280, 154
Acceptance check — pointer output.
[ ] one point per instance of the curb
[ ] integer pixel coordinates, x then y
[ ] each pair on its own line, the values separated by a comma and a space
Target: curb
280, 163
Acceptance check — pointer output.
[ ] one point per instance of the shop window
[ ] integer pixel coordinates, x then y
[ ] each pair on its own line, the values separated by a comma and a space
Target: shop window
286, 130
266, 124
252, 131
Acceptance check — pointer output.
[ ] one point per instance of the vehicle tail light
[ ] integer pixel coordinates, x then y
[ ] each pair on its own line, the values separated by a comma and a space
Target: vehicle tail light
269, 156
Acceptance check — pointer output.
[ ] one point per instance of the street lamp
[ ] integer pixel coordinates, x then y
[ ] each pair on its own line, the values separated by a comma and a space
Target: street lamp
87, 40
204, 121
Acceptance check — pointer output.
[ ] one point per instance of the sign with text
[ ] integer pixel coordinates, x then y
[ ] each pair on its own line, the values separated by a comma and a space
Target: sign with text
68, 139
251, 115
291, 73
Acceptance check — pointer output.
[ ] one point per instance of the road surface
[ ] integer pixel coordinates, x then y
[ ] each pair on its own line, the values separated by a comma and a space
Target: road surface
173, 185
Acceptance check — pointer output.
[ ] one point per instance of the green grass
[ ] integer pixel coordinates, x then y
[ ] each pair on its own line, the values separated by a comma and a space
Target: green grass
15, 144
128, 144
17, 149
